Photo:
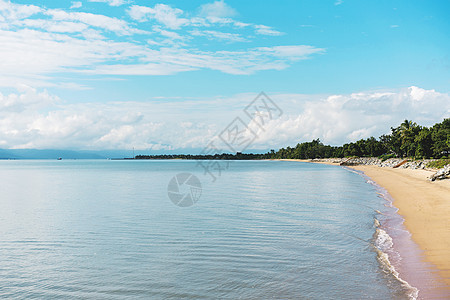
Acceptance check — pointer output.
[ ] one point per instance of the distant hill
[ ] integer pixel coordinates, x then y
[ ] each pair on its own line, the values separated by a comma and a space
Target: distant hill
48, 154
6, 154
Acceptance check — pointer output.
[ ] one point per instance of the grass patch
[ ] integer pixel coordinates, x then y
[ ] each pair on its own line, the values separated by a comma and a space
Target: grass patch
440, 163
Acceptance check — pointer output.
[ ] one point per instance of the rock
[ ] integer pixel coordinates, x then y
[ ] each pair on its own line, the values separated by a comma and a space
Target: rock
389, 163
441, 173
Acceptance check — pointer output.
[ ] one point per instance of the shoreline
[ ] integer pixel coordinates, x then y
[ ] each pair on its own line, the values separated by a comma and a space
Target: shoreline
424, 207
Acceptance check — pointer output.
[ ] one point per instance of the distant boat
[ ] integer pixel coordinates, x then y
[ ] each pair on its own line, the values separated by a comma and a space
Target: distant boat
59, 158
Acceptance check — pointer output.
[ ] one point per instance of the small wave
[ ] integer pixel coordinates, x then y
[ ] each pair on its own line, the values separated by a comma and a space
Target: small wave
383, 242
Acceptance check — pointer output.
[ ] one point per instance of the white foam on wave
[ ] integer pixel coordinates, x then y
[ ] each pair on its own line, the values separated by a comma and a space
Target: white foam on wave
383, 243
383, 240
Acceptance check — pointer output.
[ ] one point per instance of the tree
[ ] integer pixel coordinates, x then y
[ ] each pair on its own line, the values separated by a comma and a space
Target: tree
440, 135
424, 143
408, 130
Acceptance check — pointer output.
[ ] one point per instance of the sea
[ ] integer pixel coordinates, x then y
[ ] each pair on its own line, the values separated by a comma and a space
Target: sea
184, 229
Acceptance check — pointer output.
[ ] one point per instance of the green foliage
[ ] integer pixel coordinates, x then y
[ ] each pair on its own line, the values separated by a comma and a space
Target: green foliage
406, 140
440, 136
386, 156
440, 163
424, 143
408, 131
308, 150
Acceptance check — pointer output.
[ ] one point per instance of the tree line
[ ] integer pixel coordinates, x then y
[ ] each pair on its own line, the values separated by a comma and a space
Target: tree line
222, 156
406, 140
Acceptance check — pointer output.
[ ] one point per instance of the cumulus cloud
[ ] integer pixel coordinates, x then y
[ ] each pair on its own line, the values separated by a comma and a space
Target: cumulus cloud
28, 98
30, 118
338, 119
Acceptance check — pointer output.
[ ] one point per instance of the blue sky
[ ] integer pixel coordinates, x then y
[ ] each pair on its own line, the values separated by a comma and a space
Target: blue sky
115, 73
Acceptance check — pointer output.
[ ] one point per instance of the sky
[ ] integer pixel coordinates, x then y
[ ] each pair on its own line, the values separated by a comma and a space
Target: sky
173, 75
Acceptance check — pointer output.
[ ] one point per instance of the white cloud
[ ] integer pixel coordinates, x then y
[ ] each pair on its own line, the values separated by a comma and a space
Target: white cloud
266, 30
11, 11
217, 9
76, 4
338, 2
172, 60
169, 34
95, 126
218, 35
27, 99
56, 26
38, 42
295, 52
111, 2
36, 119
140, 13
95, 20
164, 14
216, 13
141, 69
33, 52
338, 119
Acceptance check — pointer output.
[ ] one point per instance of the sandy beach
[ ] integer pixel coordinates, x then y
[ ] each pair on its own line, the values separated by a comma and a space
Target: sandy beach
424, 205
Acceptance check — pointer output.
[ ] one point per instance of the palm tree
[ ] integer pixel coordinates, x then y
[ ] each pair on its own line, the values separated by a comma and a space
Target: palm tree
406, 127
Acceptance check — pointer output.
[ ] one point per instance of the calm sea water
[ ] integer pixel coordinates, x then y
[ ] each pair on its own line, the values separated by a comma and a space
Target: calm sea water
263, 229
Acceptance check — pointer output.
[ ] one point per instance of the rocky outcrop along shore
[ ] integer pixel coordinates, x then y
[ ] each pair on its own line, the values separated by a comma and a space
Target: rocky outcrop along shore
400, 163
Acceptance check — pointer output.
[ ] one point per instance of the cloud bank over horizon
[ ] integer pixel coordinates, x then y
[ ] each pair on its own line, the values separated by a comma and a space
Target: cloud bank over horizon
31, 118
